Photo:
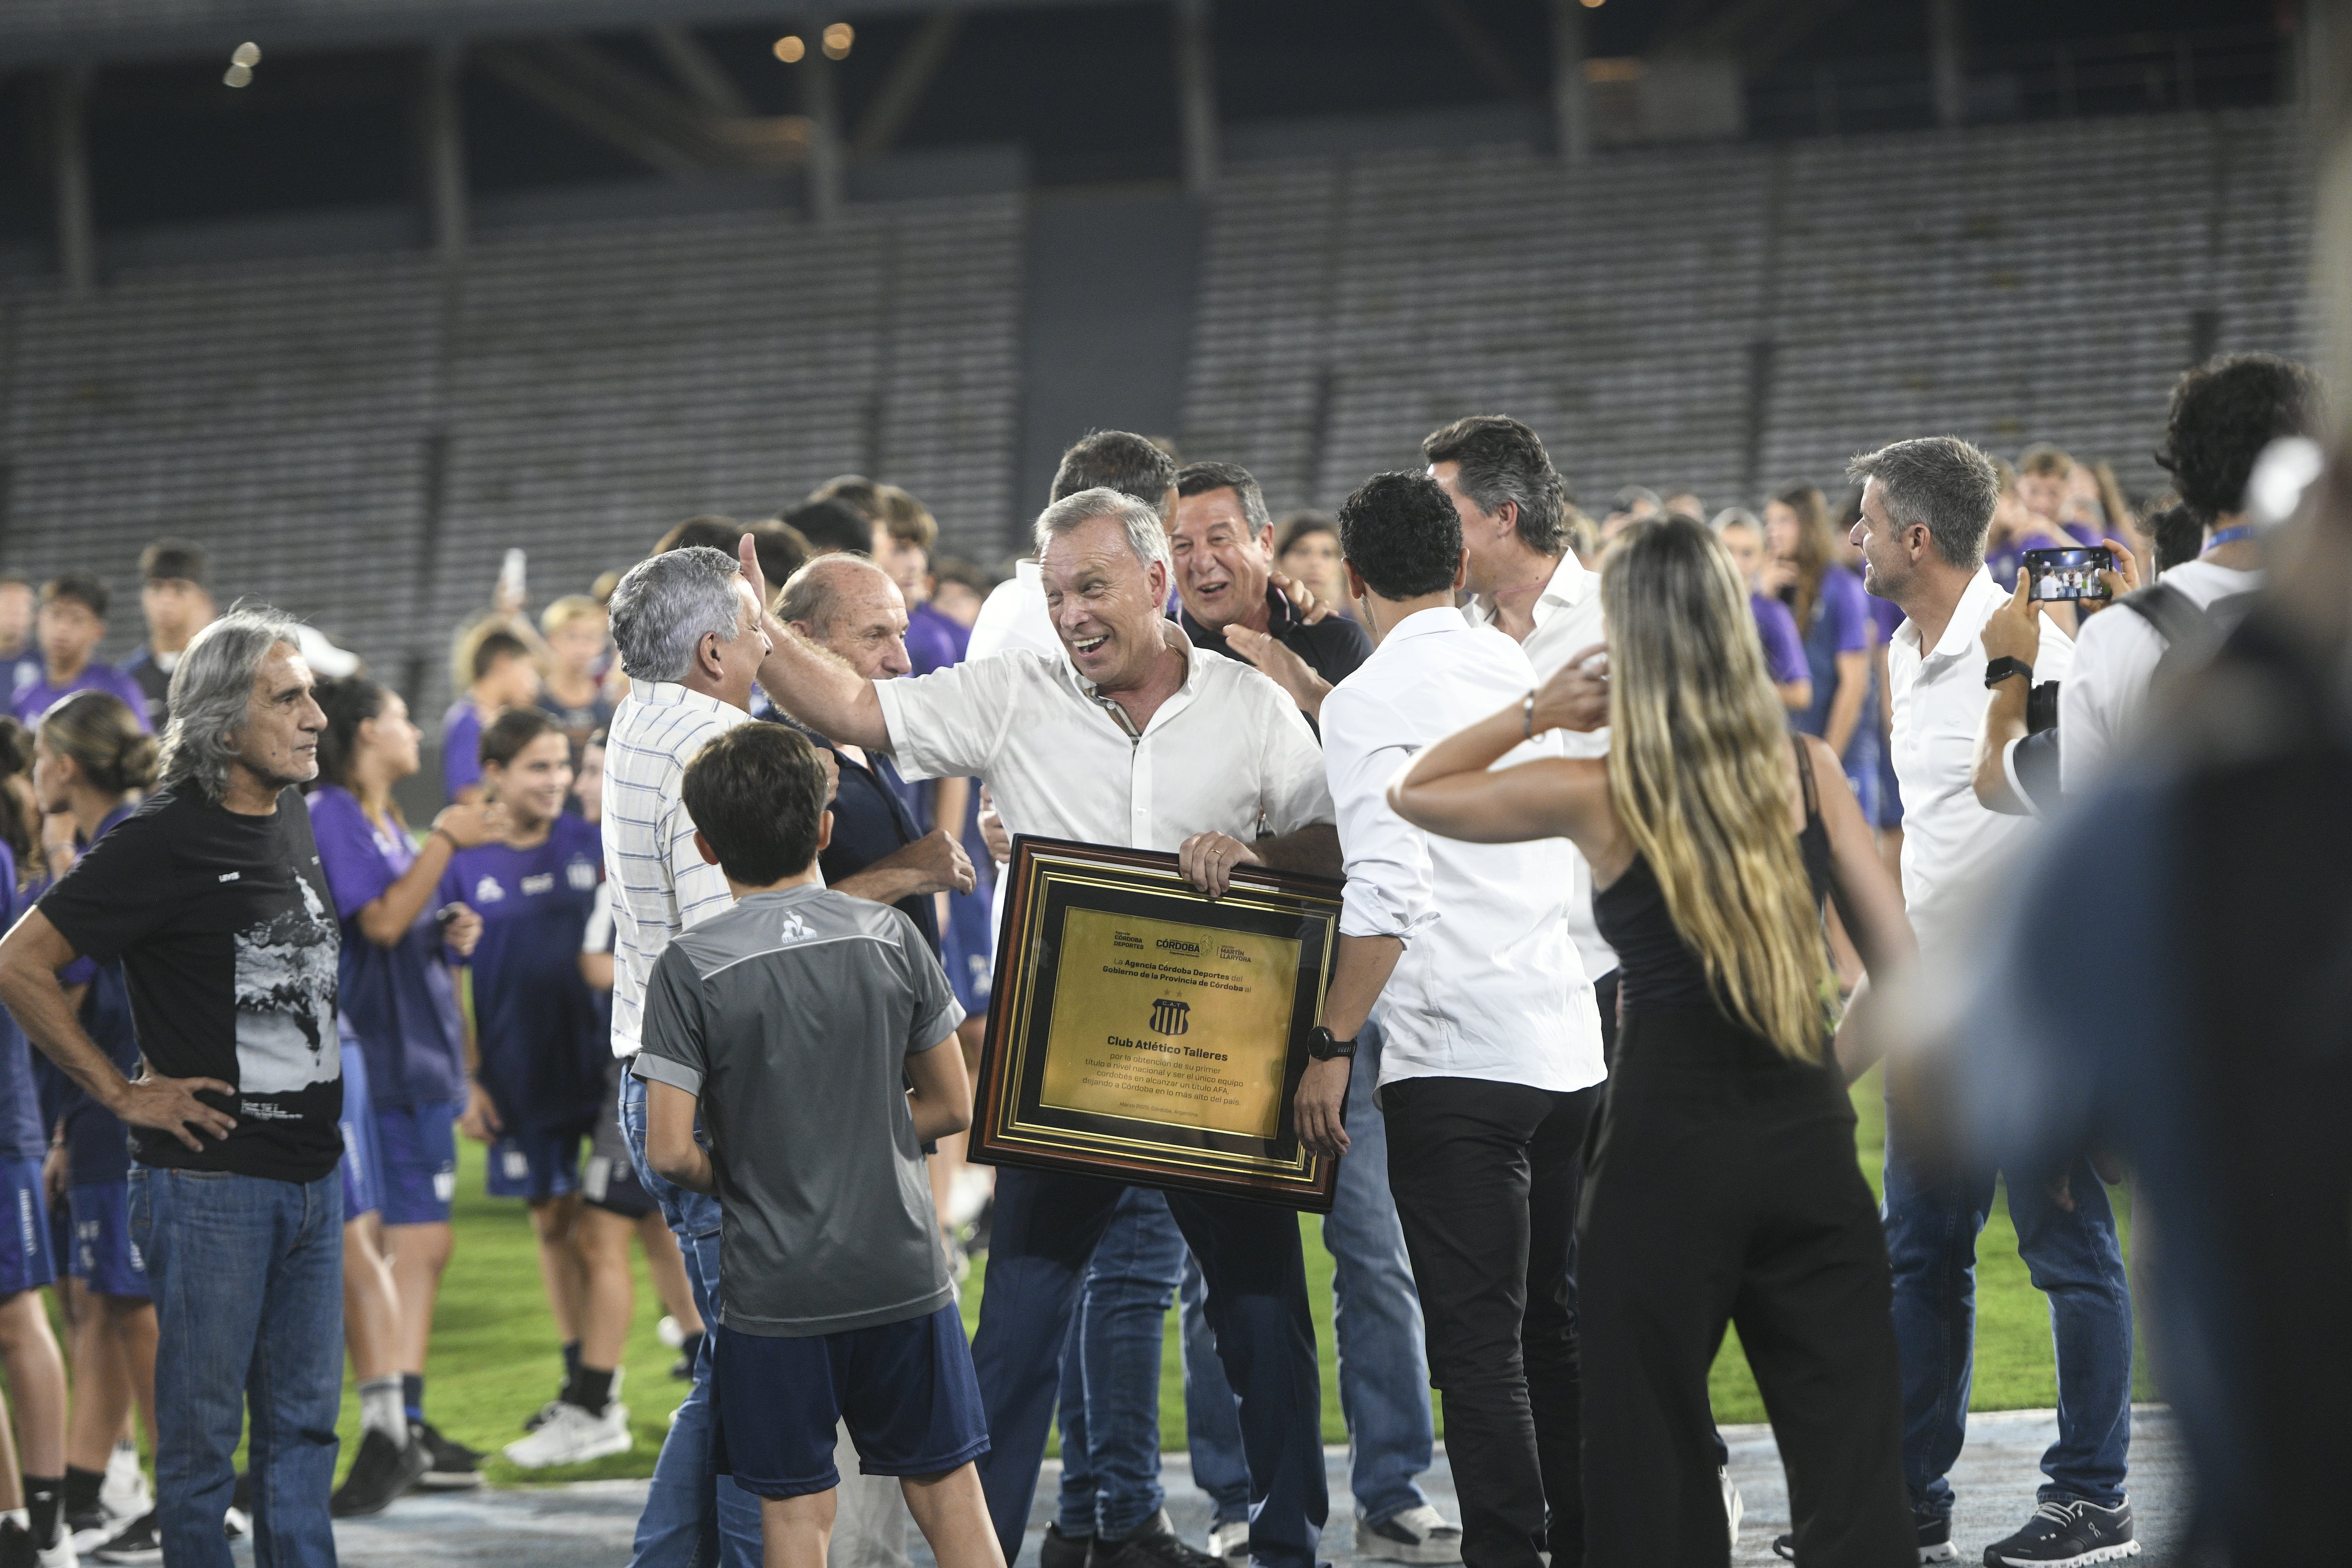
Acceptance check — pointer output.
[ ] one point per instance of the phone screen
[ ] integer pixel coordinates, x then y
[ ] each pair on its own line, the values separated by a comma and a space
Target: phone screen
2064, 574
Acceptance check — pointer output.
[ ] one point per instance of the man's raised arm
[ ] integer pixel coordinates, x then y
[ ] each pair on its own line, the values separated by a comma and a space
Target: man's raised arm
812, 684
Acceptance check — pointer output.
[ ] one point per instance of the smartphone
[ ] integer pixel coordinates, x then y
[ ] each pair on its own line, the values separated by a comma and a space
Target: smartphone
510, 577
2064, 575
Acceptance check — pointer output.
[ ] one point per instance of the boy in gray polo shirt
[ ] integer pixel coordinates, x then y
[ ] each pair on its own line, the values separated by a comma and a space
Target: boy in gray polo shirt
794, 1023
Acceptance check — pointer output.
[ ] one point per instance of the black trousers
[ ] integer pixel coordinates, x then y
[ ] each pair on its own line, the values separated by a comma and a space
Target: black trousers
1722, 1188
1484, 1177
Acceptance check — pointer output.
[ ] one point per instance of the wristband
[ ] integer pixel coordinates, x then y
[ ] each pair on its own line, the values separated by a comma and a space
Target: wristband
1528, 714
2003, 669
444, 832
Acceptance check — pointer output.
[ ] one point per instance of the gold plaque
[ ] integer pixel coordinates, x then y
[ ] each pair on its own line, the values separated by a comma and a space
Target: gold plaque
1142, 1032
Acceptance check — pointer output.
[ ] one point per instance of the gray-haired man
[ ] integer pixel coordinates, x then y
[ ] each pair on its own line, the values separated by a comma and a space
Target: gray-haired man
211, 897
688, 627
1130, 737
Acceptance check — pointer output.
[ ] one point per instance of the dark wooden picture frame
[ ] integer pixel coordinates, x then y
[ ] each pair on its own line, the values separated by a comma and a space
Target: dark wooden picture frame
1013, 1122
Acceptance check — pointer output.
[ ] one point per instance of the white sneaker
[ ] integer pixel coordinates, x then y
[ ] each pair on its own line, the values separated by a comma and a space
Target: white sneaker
1732, 1507
125, 1493
58, 1553
572, 1436
1416, 1535
1231, 1541
670, 1334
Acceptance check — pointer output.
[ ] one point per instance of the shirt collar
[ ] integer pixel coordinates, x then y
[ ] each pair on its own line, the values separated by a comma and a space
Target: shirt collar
671, 694
1569, 584
1976, 605
1281, 620
1427, 623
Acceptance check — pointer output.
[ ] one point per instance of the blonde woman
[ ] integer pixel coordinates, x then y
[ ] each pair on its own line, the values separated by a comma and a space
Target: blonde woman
1722, 1184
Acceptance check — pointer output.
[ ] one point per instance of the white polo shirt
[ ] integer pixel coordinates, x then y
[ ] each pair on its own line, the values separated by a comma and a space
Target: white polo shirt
1567, 620
661, 884
1490, 986
2115, 662
1939, 699
1229, 753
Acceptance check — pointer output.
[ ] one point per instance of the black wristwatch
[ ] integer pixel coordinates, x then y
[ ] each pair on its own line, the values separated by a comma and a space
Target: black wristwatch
2000, 669
1323, 1046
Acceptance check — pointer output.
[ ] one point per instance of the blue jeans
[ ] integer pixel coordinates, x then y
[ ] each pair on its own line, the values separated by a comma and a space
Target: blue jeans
247, 1276
2074, 1259
1046, 1229
694, 1516
1110, 1373
1383, 1360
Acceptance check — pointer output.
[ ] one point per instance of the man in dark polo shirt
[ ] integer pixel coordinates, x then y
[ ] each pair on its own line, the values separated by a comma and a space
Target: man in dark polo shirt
849, 607
1223, 538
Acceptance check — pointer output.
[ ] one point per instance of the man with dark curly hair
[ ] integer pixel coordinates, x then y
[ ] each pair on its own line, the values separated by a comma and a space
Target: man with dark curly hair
2224, 413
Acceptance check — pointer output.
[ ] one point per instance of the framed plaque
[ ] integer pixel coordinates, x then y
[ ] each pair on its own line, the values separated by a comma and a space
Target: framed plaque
1141, 1032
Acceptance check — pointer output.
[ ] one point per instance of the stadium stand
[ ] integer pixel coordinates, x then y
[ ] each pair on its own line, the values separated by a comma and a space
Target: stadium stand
1720, 316
574, 391
1727, 317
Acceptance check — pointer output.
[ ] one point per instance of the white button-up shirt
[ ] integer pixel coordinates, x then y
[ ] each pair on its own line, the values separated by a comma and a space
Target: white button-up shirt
1490, 986
1567, 620
1939, 699
661, 885
2114, 663
1228, 752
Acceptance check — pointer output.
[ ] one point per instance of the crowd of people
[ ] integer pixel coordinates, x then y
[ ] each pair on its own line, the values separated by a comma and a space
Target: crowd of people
1640, 821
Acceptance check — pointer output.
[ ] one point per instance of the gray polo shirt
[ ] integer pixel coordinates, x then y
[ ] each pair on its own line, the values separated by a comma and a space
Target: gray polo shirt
792, 1015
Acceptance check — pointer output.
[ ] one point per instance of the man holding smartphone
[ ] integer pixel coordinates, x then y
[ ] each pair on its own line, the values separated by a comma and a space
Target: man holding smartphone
1927, 507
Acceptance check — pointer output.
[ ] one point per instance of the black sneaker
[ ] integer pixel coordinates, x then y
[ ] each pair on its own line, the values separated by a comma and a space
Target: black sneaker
16, 1548
1934, 1541
451, 1467
1155, 1546
2064, 1531
1061, 1551
141, 1540
382, 1471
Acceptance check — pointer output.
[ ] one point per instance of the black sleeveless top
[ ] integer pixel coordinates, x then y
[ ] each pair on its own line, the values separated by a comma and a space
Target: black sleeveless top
1657, 969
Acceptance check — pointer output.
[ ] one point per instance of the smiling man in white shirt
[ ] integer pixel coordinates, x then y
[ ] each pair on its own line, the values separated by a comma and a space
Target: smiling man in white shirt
1926, 505
1490, 1053
1133, 737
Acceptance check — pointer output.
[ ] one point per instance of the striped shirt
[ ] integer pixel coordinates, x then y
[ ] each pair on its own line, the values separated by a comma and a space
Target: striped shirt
661, 885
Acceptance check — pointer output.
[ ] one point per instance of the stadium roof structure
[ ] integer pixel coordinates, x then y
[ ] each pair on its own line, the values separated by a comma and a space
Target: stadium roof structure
62, 32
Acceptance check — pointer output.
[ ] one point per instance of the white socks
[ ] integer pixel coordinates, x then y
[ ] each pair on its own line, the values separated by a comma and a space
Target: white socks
380, 1409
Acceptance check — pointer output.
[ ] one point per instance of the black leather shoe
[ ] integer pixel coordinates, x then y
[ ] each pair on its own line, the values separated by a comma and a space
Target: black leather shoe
1156, 1545
1061, 1551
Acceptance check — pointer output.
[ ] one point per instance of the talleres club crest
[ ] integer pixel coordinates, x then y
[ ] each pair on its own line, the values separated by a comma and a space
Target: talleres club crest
1170, 1017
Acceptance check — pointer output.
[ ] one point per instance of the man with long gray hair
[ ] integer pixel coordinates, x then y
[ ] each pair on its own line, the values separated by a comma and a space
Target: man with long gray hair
686, 626
1128, 735
212, 898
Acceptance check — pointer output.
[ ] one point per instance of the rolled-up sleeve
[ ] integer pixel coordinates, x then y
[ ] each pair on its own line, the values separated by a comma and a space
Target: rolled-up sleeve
1391, 889
948, 723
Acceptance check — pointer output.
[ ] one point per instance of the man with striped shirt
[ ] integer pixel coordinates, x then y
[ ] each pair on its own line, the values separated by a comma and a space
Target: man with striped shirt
688, 628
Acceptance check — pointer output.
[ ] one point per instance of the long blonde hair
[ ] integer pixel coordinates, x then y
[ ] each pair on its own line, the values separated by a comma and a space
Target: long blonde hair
1698, 776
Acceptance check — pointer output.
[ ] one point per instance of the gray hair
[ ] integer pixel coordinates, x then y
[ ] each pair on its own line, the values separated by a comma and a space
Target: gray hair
1940, 483
667, 604
210, 694
1145, 535
808, 594
1734, 517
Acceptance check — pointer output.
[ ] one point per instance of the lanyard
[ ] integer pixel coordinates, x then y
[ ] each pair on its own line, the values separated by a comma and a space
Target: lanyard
2227, 536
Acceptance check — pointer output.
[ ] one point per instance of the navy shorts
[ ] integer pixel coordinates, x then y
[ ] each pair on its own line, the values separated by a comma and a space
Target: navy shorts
104, 1257
417, 1145
540, 1165
362, 1192
28, 1261
907, 1391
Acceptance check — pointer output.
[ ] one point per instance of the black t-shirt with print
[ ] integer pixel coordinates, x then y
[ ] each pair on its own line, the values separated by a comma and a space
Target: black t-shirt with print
227, 939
